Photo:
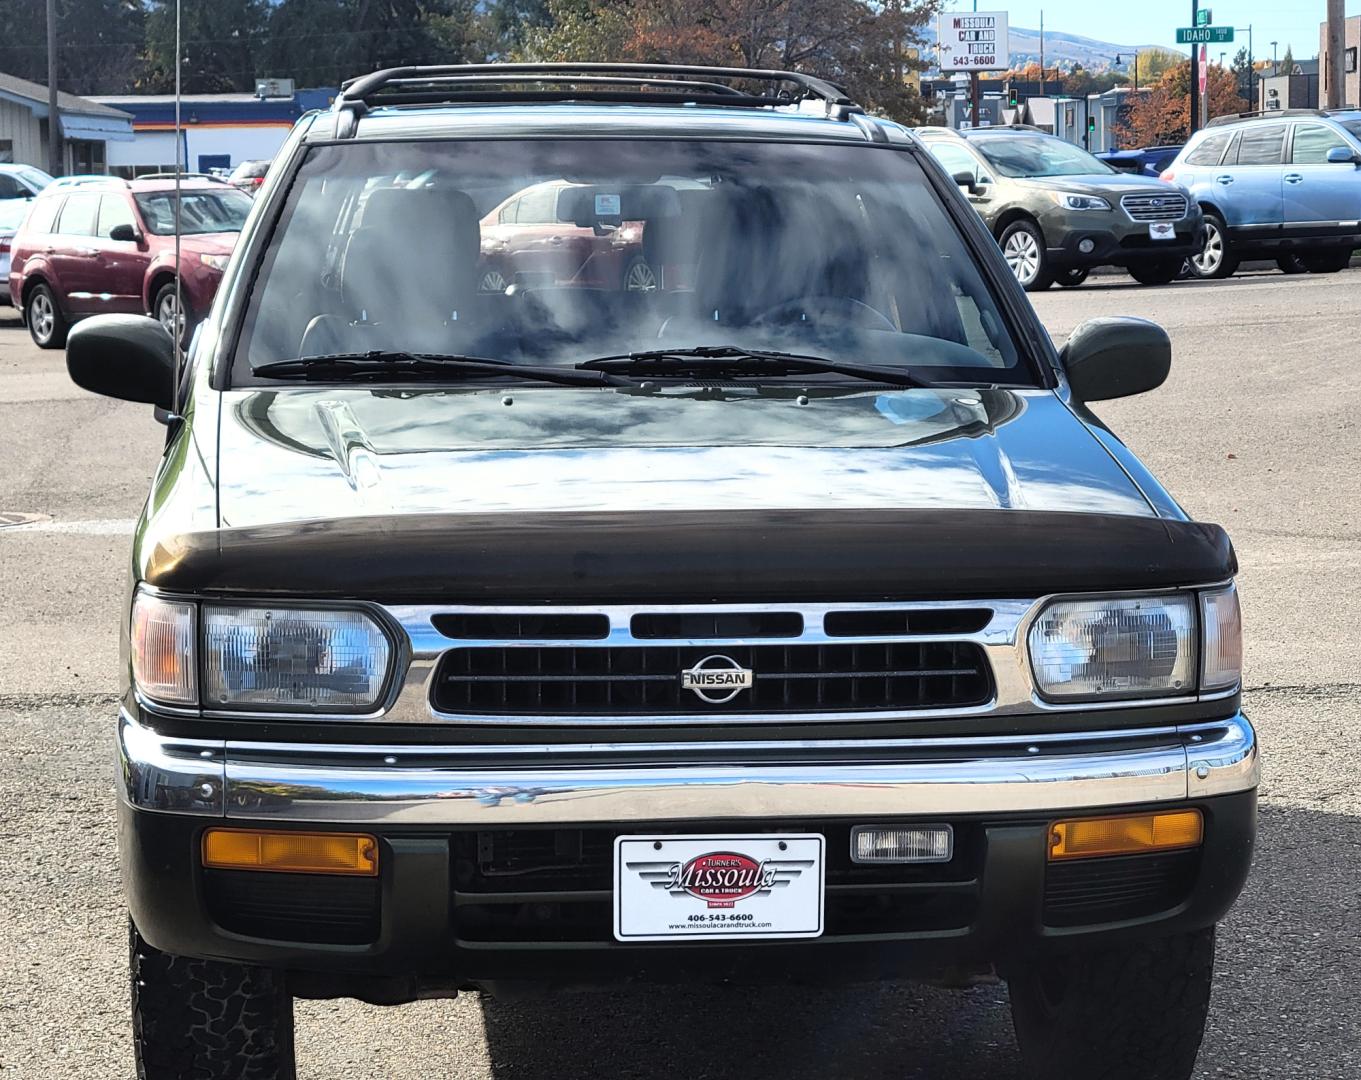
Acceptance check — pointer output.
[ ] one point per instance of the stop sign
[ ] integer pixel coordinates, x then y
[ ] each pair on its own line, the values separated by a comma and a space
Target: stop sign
1204, 69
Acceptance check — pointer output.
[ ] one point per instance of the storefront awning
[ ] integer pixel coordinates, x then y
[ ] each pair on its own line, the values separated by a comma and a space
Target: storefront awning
98, 128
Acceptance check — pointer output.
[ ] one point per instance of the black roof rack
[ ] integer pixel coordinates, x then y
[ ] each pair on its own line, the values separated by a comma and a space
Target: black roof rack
666, 84
1269, 114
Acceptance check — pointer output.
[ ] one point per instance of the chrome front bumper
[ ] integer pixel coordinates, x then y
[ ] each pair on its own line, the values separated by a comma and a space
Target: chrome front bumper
433, 785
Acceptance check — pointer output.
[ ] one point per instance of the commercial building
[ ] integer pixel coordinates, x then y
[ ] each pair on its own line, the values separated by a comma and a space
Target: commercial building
1351, 42
89, 129
218, 131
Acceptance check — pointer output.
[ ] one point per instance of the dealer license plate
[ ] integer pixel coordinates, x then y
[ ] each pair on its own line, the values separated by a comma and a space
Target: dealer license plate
702, 887
1162, 230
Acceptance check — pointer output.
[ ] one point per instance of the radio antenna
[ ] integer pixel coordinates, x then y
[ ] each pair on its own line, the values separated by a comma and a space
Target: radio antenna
177, 318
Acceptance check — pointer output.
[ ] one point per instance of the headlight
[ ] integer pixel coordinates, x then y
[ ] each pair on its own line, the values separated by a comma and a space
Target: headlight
1222, 663
161, 643
1120, 647
217, 262
298, 659
1072, 201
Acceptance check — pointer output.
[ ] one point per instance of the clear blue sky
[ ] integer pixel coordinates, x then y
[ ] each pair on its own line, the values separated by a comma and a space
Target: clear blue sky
1154, 22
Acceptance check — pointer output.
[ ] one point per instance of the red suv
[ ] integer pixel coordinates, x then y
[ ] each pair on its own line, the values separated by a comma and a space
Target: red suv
102, 244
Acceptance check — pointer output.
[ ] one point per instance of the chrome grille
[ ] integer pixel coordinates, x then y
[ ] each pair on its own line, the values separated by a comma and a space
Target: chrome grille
1163, 206
645, 680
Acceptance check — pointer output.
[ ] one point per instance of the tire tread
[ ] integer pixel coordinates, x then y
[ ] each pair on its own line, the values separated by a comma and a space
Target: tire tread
207, 1020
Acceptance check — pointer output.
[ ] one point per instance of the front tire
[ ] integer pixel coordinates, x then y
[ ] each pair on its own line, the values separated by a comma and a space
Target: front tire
1135, 1012
1290, 264
165, 311
1158, 272
1327, 262
1072, 277
206, 1019
1214, 260
1022, 245
46, 324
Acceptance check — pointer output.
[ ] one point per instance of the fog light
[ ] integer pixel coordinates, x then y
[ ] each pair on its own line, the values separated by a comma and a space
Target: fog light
902, 843
1128, 835
291, 852
1086, 246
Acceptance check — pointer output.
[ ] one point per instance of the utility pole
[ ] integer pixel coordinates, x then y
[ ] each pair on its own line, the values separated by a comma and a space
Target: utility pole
1336, 54
1042, 94
975, 96
1195, 71
54, 155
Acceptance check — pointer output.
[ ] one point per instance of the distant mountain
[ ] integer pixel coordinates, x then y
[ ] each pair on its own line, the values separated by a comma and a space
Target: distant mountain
1060, 49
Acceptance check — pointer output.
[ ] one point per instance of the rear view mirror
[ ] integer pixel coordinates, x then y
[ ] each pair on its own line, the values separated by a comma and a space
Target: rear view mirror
126, 233
130, 357
1342, 155
1116, 357
966, 181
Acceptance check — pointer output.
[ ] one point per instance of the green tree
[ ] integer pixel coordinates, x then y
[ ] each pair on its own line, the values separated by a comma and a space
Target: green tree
220, 42
99, 43
323, 42
1155, 61
1242, 73
1287, 62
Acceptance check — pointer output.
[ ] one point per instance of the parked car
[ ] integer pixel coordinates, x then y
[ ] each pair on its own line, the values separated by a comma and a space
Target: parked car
1283, 185
19, 186
1148, 161
93, 247
795, 618
1057, 212
249, 175
536, 236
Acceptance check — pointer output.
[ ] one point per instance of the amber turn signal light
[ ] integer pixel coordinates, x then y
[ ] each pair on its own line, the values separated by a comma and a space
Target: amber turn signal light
291, 852
1129, 834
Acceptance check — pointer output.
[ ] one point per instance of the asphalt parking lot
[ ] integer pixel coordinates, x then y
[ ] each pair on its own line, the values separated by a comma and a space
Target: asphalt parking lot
1256, 429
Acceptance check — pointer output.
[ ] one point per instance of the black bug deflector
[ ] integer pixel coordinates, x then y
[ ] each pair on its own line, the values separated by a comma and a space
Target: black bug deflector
681, 557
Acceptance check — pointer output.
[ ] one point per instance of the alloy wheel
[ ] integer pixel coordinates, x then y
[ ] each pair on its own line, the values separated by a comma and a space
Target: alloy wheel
493, 281
1023, 256
42, 316
640, 277
1212, 254
168, 315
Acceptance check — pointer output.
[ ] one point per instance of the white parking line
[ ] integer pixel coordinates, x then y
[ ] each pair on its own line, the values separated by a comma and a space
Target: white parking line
94, 527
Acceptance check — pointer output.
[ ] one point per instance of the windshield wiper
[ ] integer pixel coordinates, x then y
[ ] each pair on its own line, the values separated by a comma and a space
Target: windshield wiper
707, 361
380, 365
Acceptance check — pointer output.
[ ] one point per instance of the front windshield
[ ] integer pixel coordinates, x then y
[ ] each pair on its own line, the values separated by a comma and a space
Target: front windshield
212, 211
35, 178
560, 251
1037, 155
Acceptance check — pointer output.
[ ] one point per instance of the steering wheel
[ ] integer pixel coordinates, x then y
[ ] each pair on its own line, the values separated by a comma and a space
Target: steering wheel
835, 308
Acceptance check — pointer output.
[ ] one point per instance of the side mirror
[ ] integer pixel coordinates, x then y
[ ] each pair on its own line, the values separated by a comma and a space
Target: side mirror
130, 357
1116, 357
1343, 155
967, 181
125, 233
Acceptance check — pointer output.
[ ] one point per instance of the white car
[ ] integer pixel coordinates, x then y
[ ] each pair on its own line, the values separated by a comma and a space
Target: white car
18, 186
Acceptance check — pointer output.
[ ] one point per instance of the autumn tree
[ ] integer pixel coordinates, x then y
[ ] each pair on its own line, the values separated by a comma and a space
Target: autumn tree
861, 45
1162, 115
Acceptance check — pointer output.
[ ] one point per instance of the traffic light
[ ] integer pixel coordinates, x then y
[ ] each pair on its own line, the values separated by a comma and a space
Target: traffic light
1091, 125
1013, 97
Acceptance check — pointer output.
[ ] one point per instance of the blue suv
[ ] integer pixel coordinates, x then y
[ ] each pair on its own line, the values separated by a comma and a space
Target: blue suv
1283, 185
